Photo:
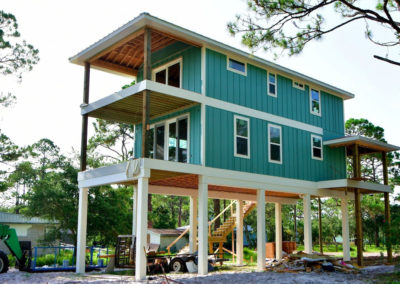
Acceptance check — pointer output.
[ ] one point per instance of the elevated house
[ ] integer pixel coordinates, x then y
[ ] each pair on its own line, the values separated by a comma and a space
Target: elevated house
213, 121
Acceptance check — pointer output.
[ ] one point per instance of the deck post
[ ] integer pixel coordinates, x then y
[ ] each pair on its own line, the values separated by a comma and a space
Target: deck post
84, 134
239, 232
146, 93
307, 224
203, 227
141, 235
387, 209
82, 226
260, 230
193, 225
359, 233
278, 231
345, 230
357, 205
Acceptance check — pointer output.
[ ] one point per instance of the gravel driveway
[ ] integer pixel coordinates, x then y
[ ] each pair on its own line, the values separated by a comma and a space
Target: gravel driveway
366, 276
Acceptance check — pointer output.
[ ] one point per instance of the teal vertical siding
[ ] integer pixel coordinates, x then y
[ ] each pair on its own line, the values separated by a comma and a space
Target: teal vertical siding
251, 91
191, 63
296, 150
194, 135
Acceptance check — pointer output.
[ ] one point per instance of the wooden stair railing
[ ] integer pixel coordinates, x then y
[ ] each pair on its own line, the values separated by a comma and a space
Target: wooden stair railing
177, 239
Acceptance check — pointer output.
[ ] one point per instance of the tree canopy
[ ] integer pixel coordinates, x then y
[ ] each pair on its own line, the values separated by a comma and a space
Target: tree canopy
290, 24
16, 55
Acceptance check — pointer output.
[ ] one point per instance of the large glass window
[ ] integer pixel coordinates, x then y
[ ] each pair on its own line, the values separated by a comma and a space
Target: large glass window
169, 73
236, 66
275, 143
170, 139
242, 137
315, 99
272, 84
316, 147
159, 137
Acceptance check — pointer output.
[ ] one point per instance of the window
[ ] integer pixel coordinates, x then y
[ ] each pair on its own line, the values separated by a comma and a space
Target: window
169, 74
316, 147
272, 84
241, 137
315, 102
275, 143
298, 85
236, 66
169, 140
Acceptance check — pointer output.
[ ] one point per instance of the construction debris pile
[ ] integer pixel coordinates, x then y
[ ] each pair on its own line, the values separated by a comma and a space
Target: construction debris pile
301, 261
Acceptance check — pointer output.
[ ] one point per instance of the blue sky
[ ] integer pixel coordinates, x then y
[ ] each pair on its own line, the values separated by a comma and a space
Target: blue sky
50, 95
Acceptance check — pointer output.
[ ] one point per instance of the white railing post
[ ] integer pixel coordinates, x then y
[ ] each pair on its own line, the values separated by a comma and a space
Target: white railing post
345, 230
307, 224
278, 231
260, 229
193, 225
141, 229
203, 227
82, 226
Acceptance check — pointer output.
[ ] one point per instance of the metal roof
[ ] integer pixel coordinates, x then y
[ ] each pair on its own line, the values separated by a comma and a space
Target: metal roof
369, 144
148, 20
10, 218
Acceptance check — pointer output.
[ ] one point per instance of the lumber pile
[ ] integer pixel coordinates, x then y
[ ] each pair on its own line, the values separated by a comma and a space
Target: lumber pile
303, 262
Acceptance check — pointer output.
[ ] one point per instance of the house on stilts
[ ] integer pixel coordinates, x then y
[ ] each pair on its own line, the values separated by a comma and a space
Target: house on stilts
213, 121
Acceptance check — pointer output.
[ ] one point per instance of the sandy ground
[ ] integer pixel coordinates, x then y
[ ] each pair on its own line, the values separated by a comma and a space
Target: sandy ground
366, 276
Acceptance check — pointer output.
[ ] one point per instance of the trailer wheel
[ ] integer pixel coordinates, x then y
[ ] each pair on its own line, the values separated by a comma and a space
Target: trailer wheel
4, 263
177, 265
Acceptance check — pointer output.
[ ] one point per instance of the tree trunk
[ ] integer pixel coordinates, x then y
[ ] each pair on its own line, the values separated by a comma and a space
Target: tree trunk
376, 233
217, 210
180, 211
149, 209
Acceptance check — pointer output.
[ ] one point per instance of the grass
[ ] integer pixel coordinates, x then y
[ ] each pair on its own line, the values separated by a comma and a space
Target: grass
353, 249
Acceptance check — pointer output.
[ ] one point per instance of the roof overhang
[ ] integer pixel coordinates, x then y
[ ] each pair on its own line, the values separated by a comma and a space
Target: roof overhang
366, 145
130, 29
349, 185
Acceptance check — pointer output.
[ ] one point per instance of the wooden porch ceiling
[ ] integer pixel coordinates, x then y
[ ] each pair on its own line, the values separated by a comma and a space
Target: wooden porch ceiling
126, 56
130, 109
175, 179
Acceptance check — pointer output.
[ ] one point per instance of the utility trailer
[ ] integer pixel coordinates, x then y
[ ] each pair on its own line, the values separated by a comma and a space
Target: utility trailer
125, 253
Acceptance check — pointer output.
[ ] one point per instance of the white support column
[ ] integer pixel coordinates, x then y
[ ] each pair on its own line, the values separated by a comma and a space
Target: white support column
261, 230
141, 229
82, 226
134, 213
193, 225
307, 224
278, 231
345, 230
239, 232
203, 227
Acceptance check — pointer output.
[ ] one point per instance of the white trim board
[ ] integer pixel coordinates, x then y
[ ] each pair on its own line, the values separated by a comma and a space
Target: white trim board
196, 97
117, 173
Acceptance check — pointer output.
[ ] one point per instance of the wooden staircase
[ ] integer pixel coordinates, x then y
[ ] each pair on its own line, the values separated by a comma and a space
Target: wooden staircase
220, 234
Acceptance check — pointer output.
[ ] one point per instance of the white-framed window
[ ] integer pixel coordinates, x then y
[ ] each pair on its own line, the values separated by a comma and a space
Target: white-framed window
315, 102
169, 73
274, 144
298, 85
169, 139
272, 84
316, 147
241, 142
236, 66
